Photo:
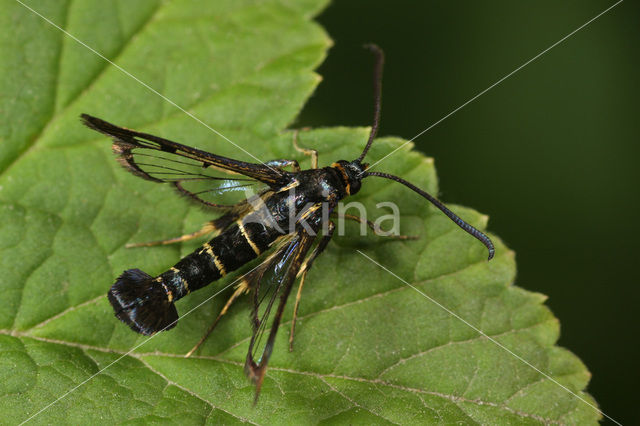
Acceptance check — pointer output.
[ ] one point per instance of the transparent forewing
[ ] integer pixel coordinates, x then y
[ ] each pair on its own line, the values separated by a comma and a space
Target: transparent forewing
270, 287
206, 184
188, 169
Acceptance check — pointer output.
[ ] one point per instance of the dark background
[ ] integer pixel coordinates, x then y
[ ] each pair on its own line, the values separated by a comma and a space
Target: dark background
551, 153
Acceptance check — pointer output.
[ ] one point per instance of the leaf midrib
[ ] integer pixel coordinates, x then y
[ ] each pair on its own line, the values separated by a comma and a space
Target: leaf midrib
54, 111
456, 399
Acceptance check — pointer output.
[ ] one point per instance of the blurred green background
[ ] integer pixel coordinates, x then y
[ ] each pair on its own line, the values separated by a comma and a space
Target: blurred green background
550, 153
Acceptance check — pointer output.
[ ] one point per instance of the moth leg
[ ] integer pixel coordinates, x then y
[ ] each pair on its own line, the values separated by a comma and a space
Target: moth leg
243, 287
372, 226
213, 225
306, 151
303, 273
208, 228
284, 163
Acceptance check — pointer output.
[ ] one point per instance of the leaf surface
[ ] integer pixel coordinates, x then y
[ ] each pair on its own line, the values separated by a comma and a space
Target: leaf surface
368, 347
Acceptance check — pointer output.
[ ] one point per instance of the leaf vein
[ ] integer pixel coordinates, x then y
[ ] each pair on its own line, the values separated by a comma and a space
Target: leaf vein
351, 400
359, 301
32, 143
453, 398
190, 392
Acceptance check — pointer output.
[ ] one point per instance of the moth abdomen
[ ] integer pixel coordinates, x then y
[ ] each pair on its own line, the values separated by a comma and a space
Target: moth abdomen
142, 302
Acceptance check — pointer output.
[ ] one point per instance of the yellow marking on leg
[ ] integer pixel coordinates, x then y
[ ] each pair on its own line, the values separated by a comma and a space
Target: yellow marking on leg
242, 287
206, 229
304, 270
306, 151
246, 236
310, 211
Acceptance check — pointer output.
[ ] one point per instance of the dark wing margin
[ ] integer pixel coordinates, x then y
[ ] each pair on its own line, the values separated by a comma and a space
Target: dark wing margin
273, 280
126, 140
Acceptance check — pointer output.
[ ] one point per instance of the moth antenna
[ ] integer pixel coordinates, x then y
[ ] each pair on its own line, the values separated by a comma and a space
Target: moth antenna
377, 96
451, 215
141, 302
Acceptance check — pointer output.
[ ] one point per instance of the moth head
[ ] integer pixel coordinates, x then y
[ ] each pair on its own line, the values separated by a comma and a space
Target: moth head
352, 174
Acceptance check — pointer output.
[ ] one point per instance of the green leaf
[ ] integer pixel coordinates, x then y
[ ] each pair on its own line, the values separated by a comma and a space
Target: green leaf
368, 347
